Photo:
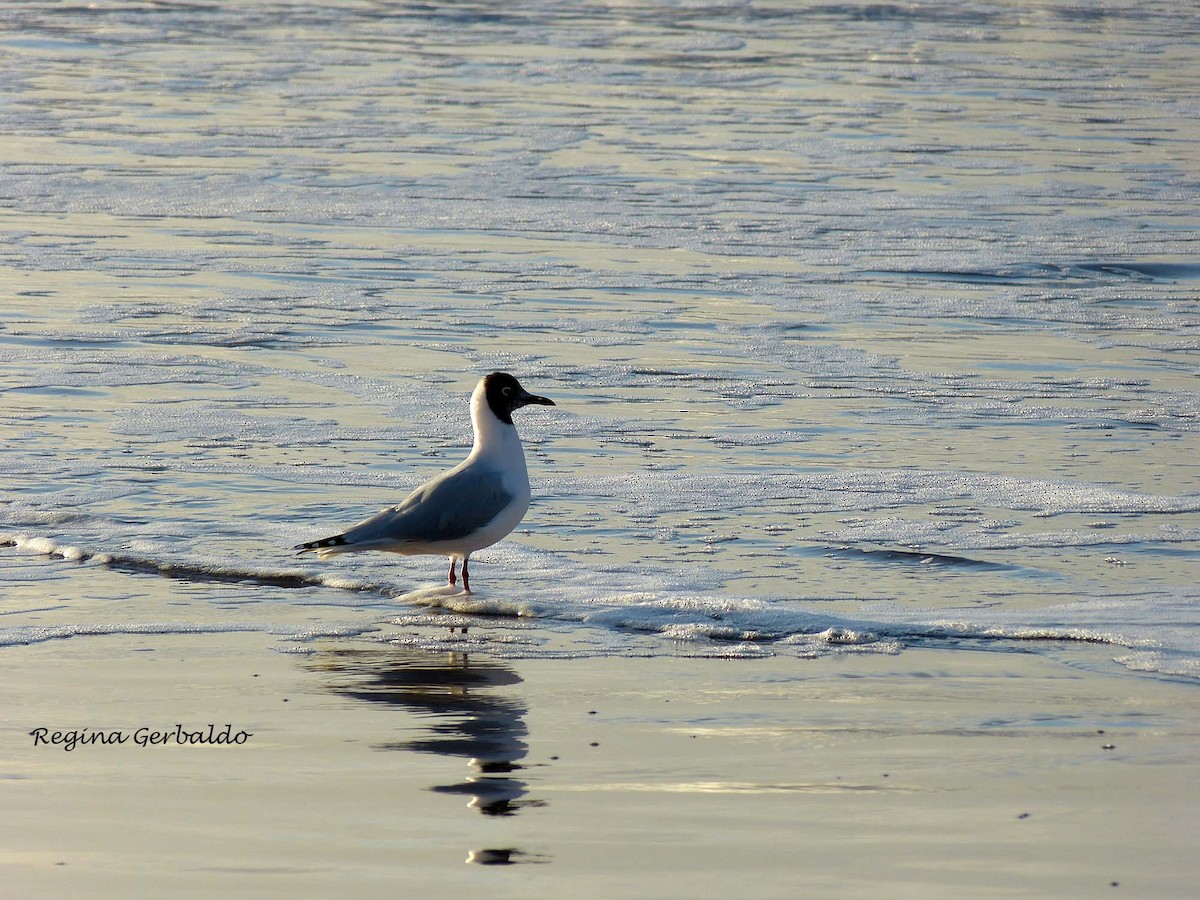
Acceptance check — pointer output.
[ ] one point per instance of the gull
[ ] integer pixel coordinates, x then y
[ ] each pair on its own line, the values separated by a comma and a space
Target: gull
471, 506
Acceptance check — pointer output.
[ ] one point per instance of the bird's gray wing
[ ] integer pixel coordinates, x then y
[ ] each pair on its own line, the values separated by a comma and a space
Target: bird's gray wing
446, 509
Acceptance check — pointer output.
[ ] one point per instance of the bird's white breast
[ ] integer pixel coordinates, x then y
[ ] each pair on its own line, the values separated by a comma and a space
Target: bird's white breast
498, 449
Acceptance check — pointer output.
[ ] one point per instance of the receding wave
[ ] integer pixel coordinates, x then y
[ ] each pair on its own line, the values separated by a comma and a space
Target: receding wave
584, 619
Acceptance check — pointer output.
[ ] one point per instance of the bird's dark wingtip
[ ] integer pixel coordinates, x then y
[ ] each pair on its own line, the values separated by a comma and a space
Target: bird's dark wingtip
338, 540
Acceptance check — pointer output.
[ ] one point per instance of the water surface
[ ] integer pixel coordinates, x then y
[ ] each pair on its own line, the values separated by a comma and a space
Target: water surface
870, 326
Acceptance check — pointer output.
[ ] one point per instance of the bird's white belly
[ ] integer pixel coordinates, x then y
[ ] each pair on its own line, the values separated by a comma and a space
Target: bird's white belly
499, 528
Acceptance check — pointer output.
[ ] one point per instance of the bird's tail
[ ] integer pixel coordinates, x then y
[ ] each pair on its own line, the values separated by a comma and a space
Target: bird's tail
325, 546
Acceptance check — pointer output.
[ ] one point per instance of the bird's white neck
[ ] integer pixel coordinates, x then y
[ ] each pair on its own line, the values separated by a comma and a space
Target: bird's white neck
493, 439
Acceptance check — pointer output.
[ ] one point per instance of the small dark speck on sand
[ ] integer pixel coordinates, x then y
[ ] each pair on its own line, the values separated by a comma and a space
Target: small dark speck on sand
1023, 816
1109, 747
594, 744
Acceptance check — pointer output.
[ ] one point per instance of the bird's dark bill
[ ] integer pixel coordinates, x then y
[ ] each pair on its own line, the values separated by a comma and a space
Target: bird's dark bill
527, 399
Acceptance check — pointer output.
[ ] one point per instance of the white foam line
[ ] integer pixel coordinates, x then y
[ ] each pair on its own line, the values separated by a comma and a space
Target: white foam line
23, 635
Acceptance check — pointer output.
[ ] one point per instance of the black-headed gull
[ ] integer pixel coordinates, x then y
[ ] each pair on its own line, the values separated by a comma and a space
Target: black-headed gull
470, 507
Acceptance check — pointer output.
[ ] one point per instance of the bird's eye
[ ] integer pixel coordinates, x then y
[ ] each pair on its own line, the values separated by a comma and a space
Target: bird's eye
507, 391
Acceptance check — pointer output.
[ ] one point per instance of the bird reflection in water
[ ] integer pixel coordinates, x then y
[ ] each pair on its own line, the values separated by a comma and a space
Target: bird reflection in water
472, 718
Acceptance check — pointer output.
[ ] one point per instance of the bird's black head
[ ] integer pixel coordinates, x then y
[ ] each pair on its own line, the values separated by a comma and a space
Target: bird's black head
504, 394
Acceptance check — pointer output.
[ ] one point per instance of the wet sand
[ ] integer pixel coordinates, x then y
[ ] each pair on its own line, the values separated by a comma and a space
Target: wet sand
382, 771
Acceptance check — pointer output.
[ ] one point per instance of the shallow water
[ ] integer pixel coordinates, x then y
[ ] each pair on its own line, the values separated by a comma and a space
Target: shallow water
870, 326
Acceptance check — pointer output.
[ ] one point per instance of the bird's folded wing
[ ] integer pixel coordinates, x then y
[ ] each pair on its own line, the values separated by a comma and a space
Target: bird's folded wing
446, 509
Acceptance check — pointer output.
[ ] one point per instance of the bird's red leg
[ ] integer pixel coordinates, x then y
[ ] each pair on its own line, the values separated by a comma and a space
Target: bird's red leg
466, 582
453, 580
